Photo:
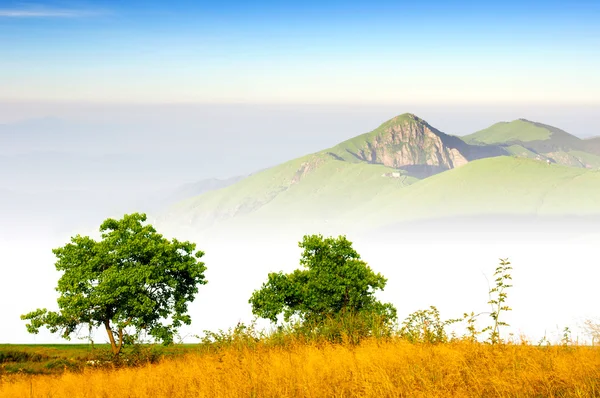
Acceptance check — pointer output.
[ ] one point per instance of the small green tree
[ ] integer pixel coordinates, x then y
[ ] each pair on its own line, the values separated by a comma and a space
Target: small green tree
132, 280
334, 281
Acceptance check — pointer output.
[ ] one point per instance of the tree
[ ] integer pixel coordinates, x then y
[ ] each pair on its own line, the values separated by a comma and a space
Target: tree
335, 281
133, 280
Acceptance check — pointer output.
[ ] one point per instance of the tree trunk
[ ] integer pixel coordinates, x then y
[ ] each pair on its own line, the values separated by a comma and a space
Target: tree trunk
116, 349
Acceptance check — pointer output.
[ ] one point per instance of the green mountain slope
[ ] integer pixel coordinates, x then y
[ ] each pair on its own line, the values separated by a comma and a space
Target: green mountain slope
535, 136
319, 185
500, 185
327, 184
349, 197
369, 182
538, 141
516, 131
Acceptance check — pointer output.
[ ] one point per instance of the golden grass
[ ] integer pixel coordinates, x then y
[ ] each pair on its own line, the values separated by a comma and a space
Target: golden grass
372, 369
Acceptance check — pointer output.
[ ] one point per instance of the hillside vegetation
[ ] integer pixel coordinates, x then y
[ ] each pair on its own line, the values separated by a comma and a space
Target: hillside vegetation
501, 185
539, 141
318, 185
359, 196
405, 170
507, 132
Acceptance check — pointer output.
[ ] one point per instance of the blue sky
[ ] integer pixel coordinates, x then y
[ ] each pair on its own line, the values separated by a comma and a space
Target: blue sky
301, 52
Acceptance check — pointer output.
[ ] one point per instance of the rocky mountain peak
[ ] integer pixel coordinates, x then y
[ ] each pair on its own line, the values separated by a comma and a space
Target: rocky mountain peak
406, 142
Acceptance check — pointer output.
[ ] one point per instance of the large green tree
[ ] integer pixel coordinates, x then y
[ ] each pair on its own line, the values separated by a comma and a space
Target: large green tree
133, 280
334, 281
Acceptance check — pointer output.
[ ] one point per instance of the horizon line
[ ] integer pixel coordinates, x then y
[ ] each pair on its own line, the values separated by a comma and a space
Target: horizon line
450, 103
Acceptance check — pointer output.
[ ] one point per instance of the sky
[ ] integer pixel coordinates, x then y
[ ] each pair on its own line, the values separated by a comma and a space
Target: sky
357, 52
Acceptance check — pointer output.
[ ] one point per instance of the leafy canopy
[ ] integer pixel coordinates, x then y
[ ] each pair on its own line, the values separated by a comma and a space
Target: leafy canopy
130, 281
334, 281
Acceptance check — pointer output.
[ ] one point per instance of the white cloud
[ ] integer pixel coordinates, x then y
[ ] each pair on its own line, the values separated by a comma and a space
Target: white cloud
44, 13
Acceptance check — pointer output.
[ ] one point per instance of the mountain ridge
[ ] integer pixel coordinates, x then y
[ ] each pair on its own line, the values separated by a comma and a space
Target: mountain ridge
592, 145
368, 180
526, 138
409, 143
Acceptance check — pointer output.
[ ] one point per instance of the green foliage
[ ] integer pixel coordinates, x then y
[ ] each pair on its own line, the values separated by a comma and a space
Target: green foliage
346, 327
40, 359
498, 299
58, 358
139, 354
241, 336
20, 356
334, 281
132, 281
425, 326
64, 364
472, 331
544, 342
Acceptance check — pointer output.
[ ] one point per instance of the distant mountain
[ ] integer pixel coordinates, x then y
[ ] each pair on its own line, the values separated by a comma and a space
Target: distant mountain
199, 187
160, 200
538, 136
318, 185
404, 170
534, 140
592, 145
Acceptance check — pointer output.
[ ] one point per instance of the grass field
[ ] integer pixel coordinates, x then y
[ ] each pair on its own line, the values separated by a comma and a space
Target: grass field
56, 358
45, 359
375, 368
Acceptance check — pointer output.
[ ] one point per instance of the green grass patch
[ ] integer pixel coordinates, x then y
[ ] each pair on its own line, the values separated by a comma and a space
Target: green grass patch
57, 358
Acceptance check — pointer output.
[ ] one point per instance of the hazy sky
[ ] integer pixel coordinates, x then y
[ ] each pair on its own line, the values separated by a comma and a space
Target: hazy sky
301, 52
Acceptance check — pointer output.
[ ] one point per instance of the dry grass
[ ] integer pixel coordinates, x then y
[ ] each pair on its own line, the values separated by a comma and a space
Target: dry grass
376, 368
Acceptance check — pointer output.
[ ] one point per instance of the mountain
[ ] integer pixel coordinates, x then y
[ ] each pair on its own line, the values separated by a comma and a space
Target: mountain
409, 143
335, 180
386, 177
592, 145
537, 136
534, 140
319, 184
500, 185
199, 187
